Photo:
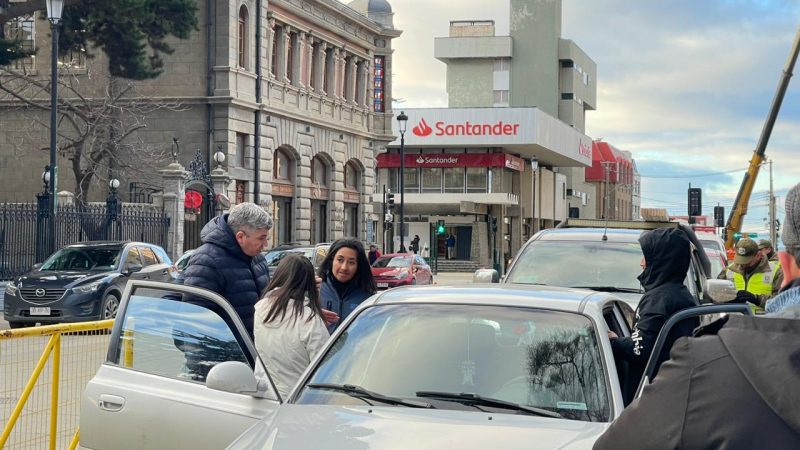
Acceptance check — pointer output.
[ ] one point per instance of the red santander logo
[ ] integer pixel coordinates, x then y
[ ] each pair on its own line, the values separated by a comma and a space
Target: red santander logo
423, 129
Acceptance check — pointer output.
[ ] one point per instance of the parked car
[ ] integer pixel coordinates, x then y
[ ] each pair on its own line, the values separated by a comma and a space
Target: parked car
599, 255
183, 261
482, 366
712, 241
315, 253
82, 282
401, 269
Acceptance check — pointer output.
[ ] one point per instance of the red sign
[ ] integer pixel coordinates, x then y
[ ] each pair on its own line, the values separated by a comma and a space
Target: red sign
192, 200
467, 128
392, 160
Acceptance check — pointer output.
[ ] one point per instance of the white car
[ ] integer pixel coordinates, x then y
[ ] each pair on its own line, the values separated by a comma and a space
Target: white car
470, 367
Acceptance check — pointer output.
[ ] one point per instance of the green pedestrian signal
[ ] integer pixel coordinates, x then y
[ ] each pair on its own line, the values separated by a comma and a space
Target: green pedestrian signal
440, 227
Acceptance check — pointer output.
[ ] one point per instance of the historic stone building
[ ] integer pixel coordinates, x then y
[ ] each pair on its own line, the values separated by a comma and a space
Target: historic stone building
295, 93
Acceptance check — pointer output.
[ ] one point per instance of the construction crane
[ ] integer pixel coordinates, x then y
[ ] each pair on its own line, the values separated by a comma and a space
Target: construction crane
739, 209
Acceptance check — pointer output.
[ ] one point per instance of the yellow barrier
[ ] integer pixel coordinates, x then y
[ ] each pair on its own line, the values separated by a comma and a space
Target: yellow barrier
32, 418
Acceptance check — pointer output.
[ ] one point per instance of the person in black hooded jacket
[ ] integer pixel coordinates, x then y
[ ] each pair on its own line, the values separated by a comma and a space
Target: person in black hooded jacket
667, 255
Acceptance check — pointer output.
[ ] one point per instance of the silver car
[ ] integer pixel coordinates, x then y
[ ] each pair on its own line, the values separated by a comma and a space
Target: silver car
469, 367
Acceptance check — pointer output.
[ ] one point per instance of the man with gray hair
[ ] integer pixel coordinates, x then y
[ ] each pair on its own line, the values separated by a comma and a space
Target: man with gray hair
230, 262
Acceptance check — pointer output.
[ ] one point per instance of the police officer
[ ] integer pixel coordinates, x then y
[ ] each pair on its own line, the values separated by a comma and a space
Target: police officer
756, 280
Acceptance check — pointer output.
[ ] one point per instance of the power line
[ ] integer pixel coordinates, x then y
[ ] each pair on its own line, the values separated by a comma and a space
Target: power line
693, 175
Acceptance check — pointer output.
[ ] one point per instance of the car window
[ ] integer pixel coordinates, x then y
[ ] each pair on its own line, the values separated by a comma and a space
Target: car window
183, 261
132, 258
539, 358
579, 264
161, 254
170, 338
322, 252
83, 258
392, 261
420, 261
148, 256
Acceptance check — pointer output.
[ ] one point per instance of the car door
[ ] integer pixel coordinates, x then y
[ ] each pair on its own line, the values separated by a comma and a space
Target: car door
156, 388
423, 271
152, 267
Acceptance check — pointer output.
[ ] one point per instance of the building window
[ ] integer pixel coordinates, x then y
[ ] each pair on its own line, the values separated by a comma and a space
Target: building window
73, 59
476, 179
243, 37
567, 96
241, 191
351, 178
501, 98
241, 149
312, 82
454, 179
432, 179
411, 180
378, 84
502, 65
290, 57
22, 29
276, 50
319, 172
283, 169
351, 220
328, 72
348, 79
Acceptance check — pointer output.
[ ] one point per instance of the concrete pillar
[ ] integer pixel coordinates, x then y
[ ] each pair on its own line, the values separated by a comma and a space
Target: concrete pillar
174, 181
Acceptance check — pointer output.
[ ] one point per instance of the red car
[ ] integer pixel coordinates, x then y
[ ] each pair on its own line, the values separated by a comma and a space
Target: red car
401, 269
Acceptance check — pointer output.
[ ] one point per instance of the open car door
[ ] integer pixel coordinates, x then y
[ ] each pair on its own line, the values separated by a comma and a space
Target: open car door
179, 374
653, 362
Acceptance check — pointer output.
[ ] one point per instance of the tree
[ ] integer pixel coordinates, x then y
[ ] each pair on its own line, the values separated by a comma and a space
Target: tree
97, 131
132, 33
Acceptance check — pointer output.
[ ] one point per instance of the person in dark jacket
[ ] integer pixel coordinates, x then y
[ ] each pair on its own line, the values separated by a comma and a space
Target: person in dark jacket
373, 254
667, 255
230, 262
735, 384
346, 278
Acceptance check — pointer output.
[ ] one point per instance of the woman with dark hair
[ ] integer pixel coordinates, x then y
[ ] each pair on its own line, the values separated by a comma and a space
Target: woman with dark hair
346, 277
289, 328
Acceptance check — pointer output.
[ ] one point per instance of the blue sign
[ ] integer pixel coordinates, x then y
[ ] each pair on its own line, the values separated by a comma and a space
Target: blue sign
370, 232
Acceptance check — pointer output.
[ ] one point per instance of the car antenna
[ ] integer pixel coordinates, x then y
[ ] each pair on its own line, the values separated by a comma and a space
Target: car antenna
605, 230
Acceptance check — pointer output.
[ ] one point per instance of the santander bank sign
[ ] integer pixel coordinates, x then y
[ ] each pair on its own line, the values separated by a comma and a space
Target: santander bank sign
466, 128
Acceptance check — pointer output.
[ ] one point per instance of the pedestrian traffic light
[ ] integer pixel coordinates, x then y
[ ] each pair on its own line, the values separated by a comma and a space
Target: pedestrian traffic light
493, 224
695, 202
719, 216
440, 227
390, 200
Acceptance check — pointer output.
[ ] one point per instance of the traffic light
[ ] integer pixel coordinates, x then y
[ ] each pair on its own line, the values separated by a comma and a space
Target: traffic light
440, 227
493, 224
719, 216
389, 200
695, 202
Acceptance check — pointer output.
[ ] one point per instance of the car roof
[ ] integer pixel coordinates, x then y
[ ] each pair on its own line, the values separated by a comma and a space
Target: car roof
103, 244
589, 234
391, 255
529, 296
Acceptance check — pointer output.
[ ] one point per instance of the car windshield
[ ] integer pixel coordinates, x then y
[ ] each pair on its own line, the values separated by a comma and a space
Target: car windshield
83, 258
273, 257
601, 264
308, 252
534, 358
710, 245
393, 261
717, 264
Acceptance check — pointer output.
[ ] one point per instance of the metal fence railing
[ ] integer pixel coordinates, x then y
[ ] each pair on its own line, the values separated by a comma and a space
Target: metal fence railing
43, 372
28, 234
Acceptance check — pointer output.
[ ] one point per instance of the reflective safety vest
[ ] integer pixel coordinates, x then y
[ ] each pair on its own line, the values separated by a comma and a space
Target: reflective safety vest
758, 284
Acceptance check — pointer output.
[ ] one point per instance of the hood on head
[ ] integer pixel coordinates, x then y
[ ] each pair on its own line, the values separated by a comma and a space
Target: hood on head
667, 252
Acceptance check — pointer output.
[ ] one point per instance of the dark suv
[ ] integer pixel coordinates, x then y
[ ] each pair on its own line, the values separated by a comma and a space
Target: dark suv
82, 282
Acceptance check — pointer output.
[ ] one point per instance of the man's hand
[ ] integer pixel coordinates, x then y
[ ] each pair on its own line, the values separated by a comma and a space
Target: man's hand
744, 297
329, 317
612, 335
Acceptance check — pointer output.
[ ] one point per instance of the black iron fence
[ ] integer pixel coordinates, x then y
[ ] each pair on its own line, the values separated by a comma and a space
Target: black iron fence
28, 233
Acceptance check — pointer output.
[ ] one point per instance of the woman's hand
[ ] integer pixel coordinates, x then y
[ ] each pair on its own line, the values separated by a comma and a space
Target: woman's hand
329, 317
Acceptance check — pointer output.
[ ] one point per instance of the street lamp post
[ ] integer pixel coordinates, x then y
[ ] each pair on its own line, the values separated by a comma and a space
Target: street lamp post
54, 8
402, 120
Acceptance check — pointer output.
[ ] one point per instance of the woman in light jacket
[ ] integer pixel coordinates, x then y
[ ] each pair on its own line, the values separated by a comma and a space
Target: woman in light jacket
346, 278
289, 330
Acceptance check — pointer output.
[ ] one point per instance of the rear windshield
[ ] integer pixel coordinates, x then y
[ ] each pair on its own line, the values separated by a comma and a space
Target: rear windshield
601, 264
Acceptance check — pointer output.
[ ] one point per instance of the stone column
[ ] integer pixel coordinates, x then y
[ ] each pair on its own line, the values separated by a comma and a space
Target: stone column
283, 67
368, 85
350, 80
174, 179
270, 46
220, 181
337, 73
322, 68
309, 57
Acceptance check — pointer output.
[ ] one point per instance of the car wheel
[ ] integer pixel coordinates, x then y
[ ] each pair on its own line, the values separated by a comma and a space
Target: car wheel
109, 307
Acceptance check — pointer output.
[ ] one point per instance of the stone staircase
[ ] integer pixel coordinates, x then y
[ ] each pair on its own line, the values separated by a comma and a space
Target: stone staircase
455, 265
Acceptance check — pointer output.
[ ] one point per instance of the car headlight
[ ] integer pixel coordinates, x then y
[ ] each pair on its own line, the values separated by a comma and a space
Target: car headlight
11, 289
87, 288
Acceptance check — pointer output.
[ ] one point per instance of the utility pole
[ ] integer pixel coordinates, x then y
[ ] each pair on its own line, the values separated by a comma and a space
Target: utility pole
772, 223
607, 169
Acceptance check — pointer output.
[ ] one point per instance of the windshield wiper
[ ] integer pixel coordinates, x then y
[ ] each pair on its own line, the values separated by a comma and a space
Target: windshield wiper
610, 289
360, 392
470, 398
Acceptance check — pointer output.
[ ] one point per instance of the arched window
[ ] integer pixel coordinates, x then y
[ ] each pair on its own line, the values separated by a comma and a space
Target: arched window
319, 172
243, 37
283, 168
351, 177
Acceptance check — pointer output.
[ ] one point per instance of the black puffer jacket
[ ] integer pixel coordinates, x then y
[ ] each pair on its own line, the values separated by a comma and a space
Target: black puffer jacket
667, 253
219, 265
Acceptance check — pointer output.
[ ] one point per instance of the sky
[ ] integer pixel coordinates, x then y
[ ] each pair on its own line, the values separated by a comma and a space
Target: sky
685, 85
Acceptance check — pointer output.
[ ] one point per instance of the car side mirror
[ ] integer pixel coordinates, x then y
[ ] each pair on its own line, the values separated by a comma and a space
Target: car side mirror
720, 291
232, 376
133, 268
37, 266
486, 276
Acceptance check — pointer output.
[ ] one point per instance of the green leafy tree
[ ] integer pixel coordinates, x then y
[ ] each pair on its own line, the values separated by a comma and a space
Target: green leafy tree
132, 33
